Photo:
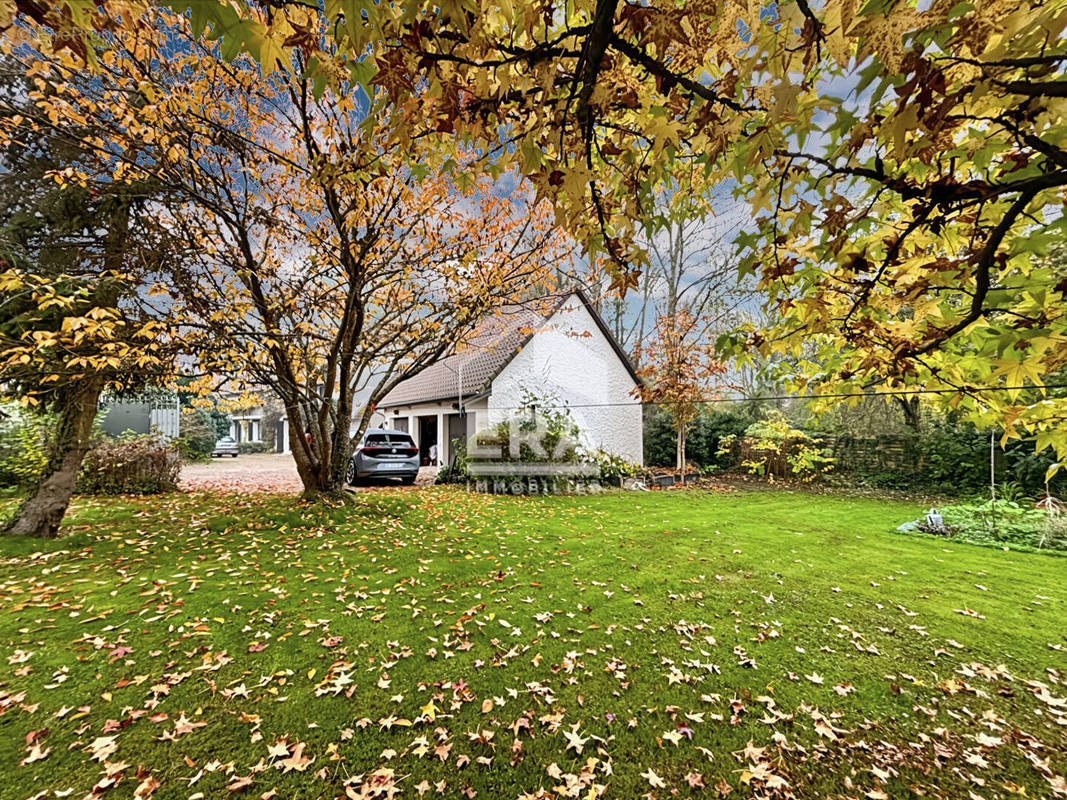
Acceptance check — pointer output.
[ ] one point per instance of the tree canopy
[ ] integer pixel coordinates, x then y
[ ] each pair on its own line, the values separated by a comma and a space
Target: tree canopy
308, 252
903, 161
74, 259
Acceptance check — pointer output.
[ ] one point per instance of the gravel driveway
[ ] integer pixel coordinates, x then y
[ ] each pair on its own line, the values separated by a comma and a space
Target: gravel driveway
263, 472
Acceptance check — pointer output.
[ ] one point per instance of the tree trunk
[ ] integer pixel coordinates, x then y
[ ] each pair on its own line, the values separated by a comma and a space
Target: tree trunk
910, 407
305, 453
340, 437
680, 451
319, 476
334, 472
41, 512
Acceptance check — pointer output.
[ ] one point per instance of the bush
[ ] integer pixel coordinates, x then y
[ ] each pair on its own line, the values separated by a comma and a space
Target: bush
249, 448
25, 439
1002, 521
1029, 467
955, 458
705, 441
613, 468
659, 440
1054, 535
130, 465
198, 435
772, 447
456, 472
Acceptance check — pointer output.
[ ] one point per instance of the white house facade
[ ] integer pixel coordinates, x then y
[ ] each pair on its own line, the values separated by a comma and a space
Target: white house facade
556, 349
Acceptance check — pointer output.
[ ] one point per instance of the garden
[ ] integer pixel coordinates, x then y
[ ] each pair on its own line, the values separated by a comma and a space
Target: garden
820, 244
985, 492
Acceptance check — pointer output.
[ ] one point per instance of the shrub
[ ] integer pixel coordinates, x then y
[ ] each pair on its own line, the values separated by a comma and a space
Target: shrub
456, 472
198, 434
249, 448
709, 431
1029, 467
955, 458
25, 439
1054, 534
559, 433
772, 447
130, 465
613, 467
1002, 521
703, 442
659, 437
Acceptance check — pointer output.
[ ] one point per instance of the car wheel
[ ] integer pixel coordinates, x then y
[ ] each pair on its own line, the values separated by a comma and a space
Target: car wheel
234, 455
351, 478
408, 480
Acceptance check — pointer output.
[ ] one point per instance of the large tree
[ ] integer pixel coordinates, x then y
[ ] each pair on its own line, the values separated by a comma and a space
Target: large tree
904, 161
72, 256
320, 258
692, 266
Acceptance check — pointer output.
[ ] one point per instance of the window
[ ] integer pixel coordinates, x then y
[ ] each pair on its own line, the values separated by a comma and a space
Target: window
390, 438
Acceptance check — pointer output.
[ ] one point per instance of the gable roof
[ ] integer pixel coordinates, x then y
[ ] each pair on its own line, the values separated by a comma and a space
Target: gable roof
491, 347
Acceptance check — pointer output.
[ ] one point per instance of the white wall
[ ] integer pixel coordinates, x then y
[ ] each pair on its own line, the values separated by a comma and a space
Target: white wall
285, 447
570, 357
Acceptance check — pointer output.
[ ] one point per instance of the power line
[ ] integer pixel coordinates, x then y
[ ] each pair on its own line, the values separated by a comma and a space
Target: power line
832, 396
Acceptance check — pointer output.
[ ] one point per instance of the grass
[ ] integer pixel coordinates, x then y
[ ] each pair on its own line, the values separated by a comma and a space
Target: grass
769, 643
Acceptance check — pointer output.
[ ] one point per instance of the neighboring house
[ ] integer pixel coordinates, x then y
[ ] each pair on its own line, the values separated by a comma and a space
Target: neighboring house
155, 412
247, 426
263, 424
551, 347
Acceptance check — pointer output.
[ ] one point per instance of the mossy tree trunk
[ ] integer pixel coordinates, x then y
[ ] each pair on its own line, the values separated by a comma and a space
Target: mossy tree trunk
41, 512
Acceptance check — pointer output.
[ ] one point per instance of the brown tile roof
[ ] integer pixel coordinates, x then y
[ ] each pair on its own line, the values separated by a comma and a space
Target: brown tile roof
480, 358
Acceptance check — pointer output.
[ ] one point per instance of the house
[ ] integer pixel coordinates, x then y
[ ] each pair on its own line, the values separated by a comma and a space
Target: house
251, 426
553, 347
260, 424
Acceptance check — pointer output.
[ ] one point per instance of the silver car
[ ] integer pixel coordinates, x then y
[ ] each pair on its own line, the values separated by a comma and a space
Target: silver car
226, 446
384, 453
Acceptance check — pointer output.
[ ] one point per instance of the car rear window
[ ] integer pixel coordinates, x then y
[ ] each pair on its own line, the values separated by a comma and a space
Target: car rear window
390, 438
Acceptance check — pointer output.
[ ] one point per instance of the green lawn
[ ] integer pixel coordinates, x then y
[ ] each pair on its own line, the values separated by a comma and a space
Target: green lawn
459, 646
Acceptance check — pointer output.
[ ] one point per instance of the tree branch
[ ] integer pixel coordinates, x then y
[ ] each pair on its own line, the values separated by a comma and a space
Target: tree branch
660, 70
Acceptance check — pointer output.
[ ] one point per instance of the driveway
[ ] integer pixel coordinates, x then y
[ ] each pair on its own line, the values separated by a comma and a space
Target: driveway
263, 472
